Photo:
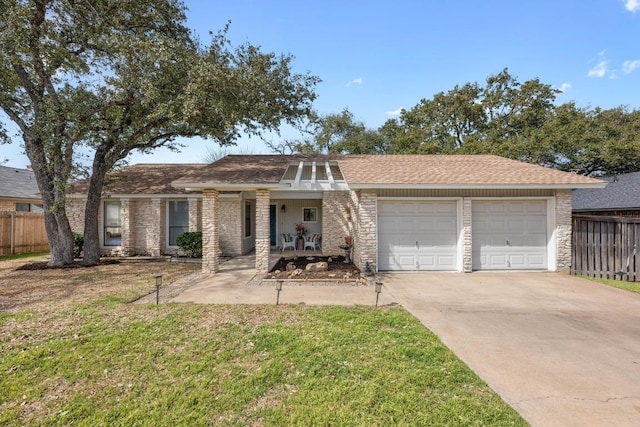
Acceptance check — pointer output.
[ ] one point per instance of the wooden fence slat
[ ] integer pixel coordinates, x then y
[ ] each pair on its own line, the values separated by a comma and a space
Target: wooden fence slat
29, 234
606, 246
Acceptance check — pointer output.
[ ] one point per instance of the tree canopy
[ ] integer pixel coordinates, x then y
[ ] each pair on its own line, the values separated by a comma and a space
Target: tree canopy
502, 116
106, 77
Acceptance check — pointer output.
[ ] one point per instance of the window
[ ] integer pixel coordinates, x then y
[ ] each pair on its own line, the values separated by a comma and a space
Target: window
112, 224
22, 207
309, 214
37, 208
178, 220
247, 219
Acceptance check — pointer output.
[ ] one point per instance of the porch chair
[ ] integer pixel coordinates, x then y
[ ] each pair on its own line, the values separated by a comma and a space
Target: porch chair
287, 242
312, 241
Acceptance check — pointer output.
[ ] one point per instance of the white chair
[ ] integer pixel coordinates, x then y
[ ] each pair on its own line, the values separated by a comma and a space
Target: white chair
287, 242
311, 241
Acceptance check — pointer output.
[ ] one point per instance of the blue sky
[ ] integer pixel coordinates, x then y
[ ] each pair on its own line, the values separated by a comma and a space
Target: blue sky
375, 58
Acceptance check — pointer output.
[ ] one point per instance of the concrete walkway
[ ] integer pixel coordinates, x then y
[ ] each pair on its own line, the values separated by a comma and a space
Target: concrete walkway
562, 351
236, 283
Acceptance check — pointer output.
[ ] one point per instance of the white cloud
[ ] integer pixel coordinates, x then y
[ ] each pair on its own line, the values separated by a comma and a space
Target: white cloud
632, 5
395, 112
599, 71
565, 87
355, 82
630, 66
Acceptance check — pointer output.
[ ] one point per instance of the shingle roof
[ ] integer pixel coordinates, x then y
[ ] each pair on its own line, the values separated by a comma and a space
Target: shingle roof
451, 170
142, 179
621, 192
246, 169
18, 183
388, 170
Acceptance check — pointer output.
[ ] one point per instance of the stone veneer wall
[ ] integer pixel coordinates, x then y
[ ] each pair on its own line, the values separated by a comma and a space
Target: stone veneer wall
262, 230
336, 223
467, 250
230, 227
563, 230
128, 221
365, 206
210, 231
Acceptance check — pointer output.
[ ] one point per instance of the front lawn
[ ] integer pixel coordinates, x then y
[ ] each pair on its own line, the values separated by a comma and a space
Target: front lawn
620, 284
104, 361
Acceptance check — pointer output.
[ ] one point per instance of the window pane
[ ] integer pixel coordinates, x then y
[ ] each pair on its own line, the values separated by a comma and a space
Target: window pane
247, 219
22, 207
112, 230
178, 220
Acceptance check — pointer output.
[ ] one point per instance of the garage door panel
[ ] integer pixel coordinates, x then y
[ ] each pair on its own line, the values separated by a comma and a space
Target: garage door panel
417, 235
509, 234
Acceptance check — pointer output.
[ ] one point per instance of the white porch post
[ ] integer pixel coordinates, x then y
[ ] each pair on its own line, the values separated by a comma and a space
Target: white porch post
263, 246
210, 234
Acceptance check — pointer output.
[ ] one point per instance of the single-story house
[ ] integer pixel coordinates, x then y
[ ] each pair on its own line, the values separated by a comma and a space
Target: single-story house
402, 212
19, 190
621, 197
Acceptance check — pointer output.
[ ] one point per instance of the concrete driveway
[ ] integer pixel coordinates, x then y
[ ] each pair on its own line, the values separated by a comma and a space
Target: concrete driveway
562, 351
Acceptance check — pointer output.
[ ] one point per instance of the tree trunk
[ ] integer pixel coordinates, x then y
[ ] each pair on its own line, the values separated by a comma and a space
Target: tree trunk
92, 210
60, 237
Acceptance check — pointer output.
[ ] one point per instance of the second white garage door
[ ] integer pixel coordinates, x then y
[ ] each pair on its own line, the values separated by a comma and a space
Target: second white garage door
509, 235
417, 235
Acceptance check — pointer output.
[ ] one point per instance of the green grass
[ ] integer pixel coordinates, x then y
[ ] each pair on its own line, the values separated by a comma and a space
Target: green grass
620, 284
23, 256
111, 363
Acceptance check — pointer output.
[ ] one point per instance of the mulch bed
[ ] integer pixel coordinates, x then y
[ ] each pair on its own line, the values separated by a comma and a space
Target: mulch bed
337, 269
44, 265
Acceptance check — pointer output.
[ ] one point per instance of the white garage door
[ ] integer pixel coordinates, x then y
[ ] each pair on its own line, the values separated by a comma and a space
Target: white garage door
417, 235
509, 235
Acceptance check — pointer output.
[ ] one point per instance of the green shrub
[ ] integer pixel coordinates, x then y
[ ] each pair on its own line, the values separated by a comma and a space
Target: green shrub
78, 244
191, 243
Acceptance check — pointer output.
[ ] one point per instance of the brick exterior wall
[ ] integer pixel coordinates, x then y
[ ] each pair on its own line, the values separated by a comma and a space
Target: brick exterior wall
563, 231
128, 220
230, 227
467, 254
262, 231
210, 235
336, 222
75, 213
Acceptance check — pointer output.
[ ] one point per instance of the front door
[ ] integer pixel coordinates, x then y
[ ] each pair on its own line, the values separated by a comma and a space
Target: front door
272, 225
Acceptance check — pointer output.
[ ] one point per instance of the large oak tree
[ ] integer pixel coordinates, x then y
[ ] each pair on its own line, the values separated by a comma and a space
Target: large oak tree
97, 79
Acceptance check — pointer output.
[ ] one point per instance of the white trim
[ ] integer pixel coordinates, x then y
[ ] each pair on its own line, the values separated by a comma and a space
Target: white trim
114, 196
327, 168
200, 186
552, 235
310, 207
299, 172
460, 253
290, 195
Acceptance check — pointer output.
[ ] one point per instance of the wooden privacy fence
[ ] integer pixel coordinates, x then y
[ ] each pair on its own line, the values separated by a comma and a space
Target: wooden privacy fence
22, 232
606, 247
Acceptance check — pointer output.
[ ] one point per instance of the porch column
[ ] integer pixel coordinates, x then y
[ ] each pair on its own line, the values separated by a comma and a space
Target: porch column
155, 231
126, 224
467, 258
263, 246
193, 214
365, 245
210, 234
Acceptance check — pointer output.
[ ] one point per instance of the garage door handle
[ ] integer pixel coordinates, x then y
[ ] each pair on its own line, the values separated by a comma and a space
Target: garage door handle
417, 246
508, 244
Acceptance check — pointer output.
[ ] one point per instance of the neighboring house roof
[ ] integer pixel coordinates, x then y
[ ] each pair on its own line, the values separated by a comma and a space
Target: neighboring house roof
622, 192
141, 179
379, 171
18, 183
